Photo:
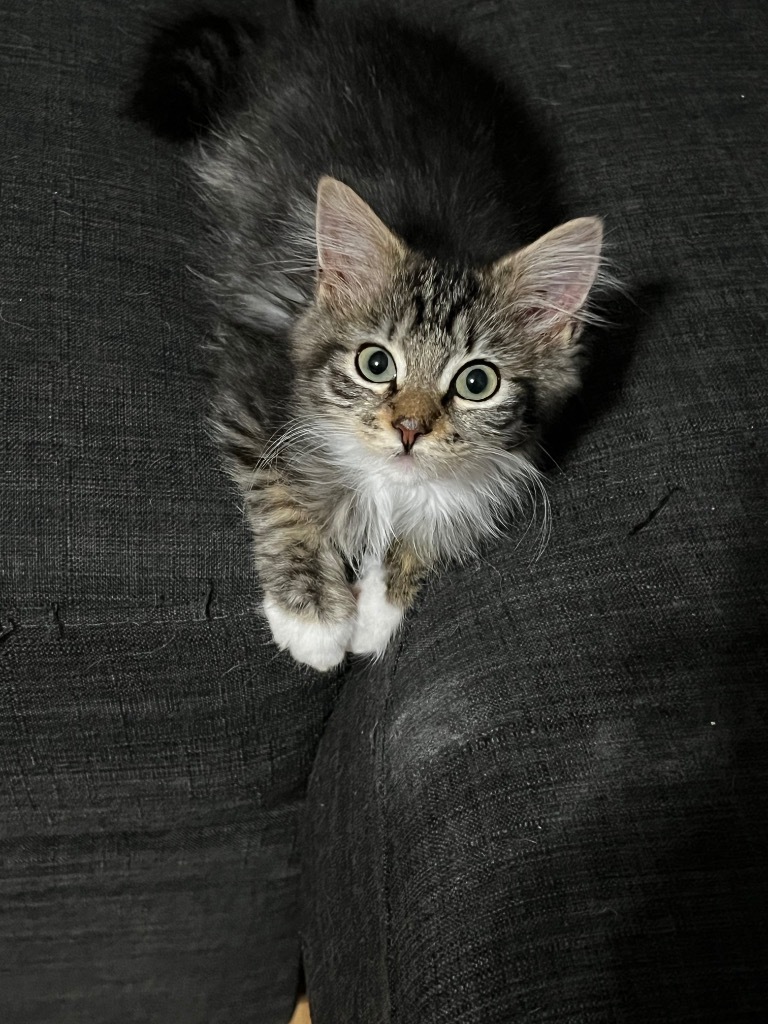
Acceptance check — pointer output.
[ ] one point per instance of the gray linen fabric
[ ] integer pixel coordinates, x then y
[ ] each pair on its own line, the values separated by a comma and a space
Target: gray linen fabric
550, 803
153, 745
526, 812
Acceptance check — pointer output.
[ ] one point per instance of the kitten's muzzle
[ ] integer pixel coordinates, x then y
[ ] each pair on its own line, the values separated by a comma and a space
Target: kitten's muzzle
410, 429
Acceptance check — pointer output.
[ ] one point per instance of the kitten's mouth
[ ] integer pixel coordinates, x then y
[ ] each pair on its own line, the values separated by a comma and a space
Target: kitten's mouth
406, 456
407, 463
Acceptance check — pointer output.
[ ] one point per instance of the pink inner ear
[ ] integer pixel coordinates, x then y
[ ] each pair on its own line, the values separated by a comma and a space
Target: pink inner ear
355, 250
573, 294
553, 276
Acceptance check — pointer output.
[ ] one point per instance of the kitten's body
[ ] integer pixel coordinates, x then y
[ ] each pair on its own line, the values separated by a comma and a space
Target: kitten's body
340, 470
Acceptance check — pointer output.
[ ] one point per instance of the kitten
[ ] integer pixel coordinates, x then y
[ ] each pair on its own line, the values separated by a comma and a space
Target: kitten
388, 335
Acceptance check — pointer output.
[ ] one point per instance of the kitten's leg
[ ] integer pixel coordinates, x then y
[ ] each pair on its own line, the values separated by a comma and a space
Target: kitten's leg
385, 593
308, 603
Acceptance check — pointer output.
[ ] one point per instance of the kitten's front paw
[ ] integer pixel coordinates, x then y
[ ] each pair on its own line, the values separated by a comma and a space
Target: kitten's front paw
377, 618
319, 645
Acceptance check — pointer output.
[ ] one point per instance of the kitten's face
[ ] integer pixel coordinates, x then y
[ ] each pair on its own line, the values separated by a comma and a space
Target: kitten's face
426, 371
434, 380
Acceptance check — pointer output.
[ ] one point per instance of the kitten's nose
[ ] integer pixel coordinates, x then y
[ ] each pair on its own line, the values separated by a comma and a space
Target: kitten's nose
410, 428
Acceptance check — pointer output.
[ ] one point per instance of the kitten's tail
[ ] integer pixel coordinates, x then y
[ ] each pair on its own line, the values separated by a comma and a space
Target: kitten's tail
193, 74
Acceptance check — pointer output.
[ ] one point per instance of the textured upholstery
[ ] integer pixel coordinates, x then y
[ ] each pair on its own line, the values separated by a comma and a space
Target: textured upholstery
153, 747
548, 802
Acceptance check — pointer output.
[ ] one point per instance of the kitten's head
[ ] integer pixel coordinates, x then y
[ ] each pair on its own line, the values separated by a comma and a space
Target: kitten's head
426, 371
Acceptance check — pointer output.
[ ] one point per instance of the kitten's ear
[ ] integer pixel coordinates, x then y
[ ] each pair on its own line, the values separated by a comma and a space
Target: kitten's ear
356, 253
551, 278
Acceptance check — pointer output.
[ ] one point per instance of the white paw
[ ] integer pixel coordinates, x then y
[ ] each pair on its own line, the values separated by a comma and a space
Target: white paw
317, 644
377, 618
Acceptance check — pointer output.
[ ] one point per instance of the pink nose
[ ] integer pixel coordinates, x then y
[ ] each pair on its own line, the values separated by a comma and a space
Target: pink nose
410, 429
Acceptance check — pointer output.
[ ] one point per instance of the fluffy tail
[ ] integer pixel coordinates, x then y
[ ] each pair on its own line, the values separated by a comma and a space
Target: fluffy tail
193, 74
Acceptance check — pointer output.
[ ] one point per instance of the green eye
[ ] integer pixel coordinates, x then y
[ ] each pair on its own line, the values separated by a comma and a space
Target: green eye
476, 382
375, 364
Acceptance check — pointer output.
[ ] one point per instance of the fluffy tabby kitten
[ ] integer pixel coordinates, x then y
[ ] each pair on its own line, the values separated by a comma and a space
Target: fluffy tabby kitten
389, 334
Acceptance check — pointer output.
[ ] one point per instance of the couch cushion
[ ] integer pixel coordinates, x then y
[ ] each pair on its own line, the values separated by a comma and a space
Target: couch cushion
558, 802
153, 745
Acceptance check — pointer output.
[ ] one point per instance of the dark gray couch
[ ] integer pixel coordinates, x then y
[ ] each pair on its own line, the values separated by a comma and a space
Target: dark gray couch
548, 803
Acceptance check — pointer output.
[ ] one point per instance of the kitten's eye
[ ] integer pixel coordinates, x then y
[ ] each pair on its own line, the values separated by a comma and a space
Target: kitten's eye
476, 382
375, 364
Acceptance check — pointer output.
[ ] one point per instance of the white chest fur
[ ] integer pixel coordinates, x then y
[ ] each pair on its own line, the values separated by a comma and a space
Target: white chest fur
443, 519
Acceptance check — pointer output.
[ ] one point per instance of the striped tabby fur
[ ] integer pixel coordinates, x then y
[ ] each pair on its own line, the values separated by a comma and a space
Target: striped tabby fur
369, 189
